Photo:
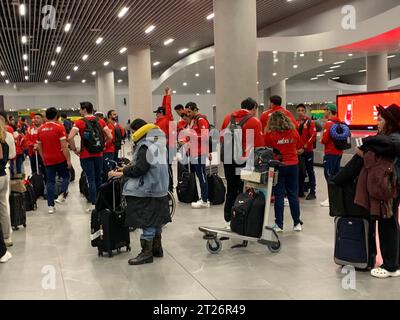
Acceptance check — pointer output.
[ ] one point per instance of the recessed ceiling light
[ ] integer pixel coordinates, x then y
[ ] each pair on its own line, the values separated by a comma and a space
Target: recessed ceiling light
156, 63
208, 91
26, 68
320, 75
295, 66
123, 68
150, 29
350, 54
364, 70
274, 74
53, 63
26, 78
46, 81
123, 12
210, 16
329, 71
106, 63
120, 80
275, 52
212, 67
392, 56
25, 57
335, 78
339, 62
67, 27
3, 73
83, 81
85, 57
123, 50
76, 68
313, 79
99, 40
197, 75
7, 81
302, 54
94, 73
168, 42
182, 51
174, 91
320, 60
49, 73
276, 60
185, 84
335, 67
22, 9
68, 77
197, 94
258, 82
58, 50
24, 39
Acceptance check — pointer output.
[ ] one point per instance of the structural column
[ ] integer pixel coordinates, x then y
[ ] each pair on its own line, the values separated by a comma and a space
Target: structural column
235, 34
105, 90
280, 90
140, 85
377, 73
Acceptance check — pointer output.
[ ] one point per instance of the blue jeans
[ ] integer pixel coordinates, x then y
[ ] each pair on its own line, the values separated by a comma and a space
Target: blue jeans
93, 168
198, 166
149, 233
18, 164
288, 184
331, 166
51, 172
309, 163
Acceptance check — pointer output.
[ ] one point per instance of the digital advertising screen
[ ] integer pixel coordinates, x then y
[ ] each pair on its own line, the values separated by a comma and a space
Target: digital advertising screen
359, 111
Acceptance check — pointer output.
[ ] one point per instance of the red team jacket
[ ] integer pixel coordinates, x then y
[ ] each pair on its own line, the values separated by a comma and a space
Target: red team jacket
309, 134
287, 142
267, 114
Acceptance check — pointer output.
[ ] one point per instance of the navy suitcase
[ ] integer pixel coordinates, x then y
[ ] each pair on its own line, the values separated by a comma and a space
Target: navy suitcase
355, 243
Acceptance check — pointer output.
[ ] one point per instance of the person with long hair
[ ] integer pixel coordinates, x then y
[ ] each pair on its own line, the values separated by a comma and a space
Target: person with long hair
5, 255
283, 137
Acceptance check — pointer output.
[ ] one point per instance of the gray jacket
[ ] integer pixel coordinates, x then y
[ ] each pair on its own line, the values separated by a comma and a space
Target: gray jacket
148, 177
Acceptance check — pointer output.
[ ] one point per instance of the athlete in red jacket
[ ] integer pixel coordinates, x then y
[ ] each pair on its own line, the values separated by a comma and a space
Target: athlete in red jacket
32, 138
276, 106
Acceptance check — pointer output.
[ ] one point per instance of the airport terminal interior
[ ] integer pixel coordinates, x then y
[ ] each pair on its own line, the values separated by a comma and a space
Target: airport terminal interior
334, 57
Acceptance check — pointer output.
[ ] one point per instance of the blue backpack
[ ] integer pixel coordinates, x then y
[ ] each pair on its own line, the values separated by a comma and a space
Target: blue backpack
341, 136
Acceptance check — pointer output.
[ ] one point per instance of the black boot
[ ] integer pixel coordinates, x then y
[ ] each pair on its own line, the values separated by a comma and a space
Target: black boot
146, 256
157, 247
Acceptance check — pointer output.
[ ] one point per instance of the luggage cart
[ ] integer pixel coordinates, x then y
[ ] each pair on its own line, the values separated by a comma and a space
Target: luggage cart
269, 238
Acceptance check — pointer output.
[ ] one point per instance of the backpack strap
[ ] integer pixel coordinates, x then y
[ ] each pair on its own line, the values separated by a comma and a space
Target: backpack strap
244, 121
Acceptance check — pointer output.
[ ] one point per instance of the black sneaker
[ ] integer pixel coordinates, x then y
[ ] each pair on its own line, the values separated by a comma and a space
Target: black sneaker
311, 196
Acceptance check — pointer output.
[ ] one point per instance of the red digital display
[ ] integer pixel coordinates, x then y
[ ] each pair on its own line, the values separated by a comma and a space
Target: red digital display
359, 110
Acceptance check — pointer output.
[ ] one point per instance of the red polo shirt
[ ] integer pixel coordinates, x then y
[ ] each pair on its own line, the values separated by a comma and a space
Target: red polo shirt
50, 136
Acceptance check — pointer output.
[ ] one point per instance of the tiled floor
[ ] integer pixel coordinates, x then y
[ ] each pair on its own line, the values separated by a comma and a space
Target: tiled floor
303, 270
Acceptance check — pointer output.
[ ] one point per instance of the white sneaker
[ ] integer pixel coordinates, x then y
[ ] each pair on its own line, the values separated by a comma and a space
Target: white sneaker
6, 257
228, 226
298, 228
277, 228
325, 204
90, 208
61, 199
287, 204
201, 205
52, 210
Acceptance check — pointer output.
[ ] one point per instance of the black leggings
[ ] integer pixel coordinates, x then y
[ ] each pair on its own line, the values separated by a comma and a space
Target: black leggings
3, 248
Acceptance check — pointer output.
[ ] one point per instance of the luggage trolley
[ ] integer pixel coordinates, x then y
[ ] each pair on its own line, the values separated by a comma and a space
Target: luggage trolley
269, 238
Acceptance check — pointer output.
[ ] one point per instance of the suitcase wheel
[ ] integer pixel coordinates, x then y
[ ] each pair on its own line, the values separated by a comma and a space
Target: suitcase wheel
15, 228
275, 247
128, 249
119, 250
24, 225
214, 246
110, 254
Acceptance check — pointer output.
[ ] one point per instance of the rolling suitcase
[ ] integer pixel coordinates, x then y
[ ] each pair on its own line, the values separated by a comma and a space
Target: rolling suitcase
37, 181
187, 188
30, 198
108, 231
17, 210
216, 189
84, 186
355, 242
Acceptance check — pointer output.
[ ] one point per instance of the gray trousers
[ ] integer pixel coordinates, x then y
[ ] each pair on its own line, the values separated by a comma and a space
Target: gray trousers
5, 220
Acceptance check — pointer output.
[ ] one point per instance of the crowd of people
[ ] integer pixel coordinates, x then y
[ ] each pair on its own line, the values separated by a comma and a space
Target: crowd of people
48, 142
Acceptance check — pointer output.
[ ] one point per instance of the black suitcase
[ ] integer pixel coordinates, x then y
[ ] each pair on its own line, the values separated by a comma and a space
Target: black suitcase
248, 214
187, 188
17, 210
216, 189
84, 186
30, 198
37, 182
355, 243
108, 231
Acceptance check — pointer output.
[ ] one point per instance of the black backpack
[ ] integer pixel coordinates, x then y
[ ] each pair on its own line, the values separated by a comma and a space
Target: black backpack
68, 125
93, 137
118, 138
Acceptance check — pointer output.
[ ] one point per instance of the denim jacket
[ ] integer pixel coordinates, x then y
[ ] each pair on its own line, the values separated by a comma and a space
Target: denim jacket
152, 178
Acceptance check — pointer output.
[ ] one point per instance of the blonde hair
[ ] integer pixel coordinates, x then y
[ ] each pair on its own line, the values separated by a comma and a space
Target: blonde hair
280, 122
3, 132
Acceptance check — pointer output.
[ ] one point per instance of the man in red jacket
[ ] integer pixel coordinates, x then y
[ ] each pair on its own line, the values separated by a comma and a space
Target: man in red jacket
276, 106
333, 156
32, 138
308, 137
235, 185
